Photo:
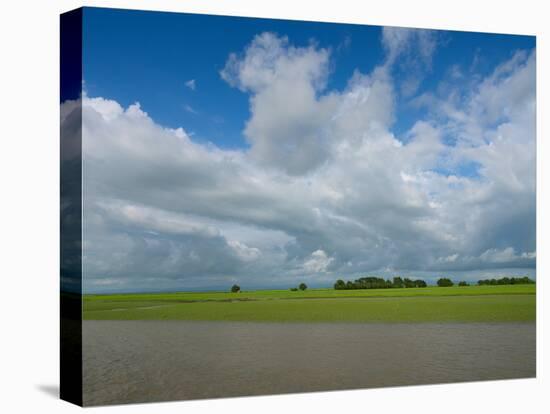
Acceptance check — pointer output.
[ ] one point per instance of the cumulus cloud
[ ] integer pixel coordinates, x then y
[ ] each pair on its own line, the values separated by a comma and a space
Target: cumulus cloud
318, 262
325, 189
289, 119
243, 251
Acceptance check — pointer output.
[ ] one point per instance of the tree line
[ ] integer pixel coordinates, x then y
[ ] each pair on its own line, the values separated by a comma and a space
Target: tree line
372, 282
398, 282
378, 283
507, 281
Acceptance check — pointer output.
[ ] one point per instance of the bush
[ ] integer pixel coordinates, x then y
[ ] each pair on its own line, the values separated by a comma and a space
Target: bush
294, 289
463, 283
302, 286
235, 288
445, 282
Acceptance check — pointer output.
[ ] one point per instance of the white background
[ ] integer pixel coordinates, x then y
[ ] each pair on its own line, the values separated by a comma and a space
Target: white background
29, 189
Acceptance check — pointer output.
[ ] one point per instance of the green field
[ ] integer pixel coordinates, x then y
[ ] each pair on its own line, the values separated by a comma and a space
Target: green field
432, 304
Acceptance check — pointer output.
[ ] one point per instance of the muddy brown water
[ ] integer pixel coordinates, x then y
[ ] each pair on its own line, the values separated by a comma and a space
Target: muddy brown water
144, 361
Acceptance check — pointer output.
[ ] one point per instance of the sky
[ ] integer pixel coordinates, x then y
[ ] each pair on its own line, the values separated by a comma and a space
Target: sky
221, 150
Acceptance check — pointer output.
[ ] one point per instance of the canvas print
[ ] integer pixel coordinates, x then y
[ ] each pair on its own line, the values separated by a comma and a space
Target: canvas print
260, 206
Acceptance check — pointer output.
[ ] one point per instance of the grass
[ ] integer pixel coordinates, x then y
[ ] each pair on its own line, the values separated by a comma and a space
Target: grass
432, 304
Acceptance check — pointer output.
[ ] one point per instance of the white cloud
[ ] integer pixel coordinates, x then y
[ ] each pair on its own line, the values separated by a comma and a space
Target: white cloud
190, 109
498, 256
295, 126
243, 251
288, 122
400, 41
318, 262
325, 185
448, 259
507, 255
191, 84
409, 51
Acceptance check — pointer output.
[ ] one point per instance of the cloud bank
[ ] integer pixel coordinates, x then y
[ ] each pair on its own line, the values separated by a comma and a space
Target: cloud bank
325, 190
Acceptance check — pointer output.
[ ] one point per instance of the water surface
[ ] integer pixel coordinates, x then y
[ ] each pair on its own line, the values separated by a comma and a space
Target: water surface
142, 361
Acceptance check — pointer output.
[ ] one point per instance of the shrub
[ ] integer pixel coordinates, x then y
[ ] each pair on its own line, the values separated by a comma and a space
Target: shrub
463, 283
302, 286
235, 288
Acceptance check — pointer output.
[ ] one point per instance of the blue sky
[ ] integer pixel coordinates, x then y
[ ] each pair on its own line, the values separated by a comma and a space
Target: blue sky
152, 55
221, 150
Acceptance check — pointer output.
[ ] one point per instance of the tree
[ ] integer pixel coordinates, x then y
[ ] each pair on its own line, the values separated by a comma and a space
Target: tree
463, 283
369, 282
408, 283
420, 283
506, 281
235, 288
340, 284
302, 286
397, 282
444, 282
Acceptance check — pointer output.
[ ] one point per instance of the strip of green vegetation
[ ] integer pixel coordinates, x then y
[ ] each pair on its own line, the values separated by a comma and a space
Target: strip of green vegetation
318, 293
460, 304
